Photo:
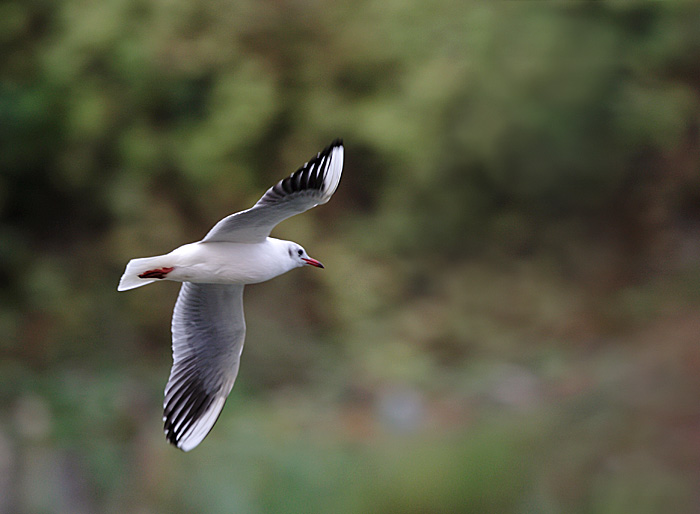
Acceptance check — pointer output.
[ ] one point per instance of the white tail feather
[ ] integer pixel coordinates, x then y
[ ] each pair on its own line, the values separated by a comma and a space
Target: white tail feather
130, 279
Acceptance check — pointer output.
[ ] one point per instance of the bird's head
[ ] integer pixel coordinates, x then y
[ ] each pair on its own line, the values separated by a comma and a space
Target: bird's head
300, 257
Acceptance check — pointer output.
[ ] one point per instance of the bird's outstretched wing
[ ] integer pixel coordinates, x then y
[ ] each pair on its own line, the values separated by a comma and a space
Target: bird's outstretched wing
208, 333
312, 184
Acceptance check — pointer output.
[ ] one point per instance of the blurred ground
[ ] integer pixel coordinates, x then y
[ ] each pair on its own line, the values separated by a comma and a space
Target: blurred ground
509, 316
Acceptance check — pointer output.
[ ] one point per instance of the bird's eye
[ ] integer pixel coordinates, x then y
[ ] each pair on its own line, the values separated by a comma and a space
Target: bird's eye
300, 252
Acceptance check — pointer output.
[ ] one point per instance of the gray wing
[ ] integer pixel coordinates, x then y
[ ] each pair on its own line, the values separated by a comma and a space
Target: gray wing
312, 184
208, 332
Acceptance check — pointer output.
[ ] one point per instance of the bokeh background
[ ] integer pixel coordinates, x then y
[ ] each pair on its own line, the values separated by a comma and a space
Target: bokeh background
509, 316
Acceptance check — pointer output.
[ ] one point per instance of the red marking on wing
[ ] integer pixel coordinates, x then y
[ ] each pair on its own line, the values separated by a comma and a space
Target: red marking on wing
156, 273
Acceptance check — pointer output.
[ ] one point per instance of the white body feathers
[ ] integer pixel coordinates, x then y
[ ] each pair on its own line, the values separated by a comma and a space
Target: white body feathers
215, 263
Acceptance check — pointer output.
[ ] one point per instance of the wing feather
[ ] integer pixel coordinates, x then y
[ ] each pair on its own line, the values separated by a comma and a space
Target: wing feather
312, 184
208, 333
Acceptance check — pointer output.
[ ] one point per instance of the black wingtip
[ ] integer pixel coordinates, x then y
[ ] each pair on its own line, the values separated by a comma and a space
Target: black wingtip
309, 177
337, 142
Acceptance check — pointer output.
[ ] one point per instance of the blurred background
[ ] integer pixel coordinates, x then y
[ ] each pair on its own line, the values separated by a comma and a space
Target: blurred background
509, 316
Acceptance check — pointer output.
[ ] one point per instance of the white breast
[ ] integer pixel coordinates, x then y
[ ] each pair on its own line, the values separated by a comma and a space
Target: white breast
229, 263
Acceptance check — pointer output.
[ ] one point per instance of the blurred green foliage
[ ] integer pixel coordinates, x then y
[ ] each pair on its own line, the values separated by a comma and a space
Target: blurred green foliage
509, 318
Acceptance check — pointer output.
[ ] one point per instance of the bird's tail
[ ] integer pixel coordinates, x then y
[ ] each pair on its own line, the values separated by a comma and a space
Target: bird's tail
140, 272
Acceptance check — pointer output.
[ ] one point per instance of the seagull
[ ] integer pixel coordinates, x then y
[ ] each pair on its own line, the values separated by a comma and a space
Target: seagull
208, 327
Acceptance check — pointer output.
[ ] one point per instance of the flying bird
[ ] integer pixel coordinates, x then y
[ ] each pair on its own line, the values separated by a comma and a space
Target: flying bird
208, 327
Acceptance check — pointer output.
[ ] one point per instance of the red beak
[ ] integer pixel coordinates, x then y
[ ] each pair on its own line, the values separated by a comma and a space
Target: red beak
312, 262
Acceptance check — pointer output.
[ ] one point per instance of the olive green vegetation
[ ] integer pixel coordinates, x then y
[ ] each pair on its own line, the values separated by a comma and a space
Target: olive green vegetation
509, 316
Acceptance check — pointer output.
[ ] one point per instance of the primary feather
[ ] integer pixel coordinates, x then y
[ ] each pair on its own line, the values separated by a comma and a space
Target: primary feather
312, 184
